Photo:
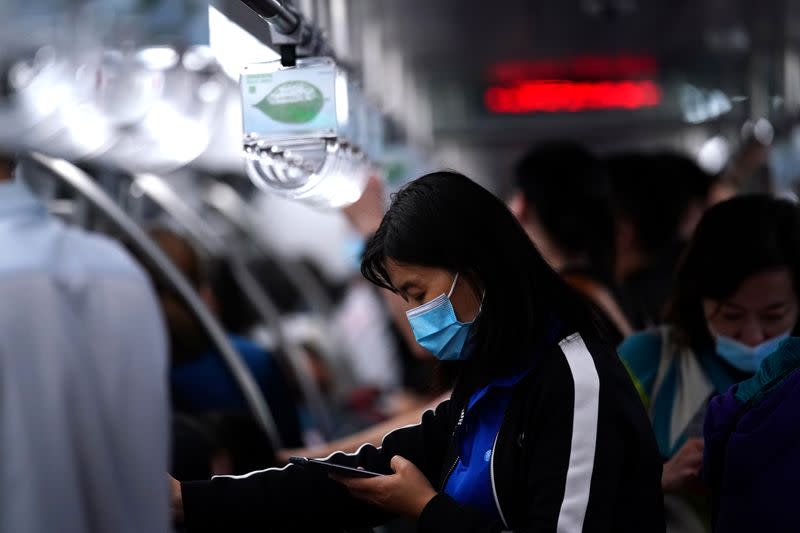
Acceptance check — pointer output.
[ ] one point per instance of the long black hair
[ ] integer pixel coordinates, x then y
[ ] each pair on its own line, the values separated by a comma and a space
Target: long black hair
445, 220
734, 240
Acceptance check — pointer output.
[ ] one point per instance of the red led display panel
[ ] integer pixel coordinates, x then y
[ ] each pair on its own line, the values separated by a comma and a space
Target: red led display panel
571, 96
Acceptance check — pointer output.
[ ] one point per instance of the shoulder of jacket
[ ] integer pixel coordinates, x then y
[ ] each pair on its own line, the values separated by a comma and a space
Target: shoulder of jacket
558, 364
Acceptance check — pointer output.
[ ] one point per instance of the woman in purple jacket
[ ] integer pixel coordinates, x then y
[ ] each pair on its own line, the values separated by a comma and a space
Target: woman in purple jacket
752, 438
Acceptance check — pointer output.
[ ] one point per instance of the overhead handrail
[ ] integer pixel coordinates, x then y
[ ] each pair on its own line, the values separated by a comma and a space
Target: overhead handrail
158, 190
84, 185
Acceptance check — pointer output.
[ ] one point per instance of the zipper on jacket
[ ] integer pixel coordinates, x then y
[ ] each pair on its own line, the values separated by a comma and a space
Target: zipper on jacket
458, 456
447, 477
494, 488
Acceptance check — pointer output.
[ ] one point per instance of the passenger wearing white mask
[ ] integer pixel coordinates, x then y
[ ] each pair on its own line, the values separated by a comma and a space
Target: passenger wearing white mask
734, 301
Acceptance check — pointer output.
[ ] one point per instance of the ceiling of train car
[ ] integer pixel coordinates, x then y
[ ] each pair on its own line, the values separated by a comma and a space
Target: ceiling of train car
466, 36
706, 47
713, 63
457, 45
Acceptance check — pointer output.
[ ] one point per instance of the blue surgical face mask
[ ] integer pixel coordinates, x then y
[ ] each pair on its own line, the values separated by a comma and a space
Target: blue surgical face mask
747, 358
438, 330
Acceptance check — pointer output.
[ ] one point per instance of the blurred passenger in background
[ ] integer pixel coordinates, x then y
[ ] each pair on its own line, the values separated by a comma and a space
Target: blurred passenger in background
563, 200
752, 435
748, 170
658, 201
83, 388
201, 383
200, 380
735, 300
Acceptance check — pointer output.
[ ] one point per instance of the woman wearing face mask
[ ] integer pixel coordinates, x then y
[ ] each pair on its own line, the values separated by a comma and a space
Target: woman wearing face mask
735, 301
543, 431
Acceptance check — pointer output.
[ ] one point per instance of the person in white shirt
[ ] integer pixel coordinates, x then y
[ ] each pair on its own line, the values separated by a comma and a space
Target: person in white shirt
83, 379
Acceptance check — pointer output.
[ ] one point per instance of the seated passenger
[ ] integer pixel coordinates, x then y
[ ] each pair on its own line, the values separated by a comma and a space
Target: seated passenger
83, 395
735, 300
751, 461
543, 431
563, 201
200, 379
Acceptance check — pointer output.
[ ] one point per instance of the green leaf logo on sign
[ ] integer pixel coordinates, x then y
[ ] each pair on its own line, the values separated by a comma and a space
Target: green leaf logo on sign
293, 102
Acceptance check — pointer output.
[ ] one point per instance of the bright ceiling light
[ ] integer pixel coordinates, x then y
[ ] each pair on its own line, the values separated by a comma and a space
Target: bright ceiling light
233, 46
714, 155
763, 131
701, 105
158, 57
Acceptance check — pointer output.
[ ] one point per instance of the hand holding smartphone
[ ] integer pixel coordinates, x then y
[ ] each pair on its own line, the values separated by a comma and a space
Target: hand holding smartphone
331, 468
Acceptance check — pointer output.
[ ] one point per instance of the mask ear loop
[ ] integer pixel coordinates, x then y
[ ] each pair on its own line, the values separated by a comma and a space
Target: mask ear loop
453, 286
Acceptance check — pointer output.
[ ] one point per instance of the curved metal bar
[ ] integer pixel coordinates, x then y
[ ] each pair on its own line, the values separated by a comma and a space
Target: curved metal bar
158, 190
86, 187
295, 358
229, 203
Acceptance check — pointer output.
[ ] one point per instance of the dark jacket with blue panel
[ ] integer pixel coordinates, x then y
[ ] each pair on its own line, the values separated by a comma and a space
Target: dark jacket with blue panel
574, 453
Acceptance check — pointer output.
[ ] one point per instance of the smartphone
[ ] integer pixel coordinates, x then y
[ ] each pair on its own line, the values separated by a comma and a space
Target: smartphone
330, 468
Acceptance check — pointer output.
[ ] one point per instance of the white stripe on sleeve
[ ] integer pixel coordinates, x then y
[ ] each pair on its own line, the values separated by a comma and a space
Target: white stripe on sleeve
584, 435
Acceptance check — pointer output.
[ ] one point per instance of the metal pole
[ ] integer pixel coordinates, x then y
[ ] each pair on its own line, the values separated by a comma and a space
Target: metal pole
87, 188
295, 358
274, 13
160, 192
289, 31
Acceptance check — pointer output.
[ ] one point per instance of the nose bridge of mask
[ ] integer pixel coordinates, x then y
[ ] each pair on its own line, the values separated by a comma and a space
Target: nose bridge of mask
433, 317
433, 304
